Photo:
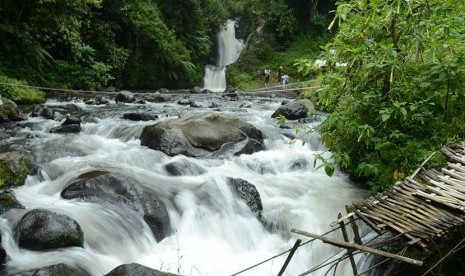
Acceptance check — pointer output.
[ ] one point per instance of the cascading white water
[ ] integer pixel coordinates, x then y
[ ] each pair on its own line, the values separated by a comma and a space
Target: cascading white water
214, 233
229, 49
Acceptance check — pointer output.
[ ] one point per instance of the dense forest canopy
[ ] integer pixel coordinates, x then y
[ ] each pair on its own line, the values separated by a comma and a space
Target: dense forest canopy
94, 44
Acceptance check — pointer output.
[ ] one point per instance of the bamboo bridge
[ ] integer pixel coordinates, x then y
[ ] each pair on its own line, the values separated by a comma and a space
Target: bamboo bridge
424, 207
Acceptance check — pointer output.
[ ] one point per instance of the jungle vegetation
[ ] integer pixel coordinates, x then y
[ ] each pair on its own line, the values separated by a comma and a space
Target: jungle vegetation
397, 98
400, 96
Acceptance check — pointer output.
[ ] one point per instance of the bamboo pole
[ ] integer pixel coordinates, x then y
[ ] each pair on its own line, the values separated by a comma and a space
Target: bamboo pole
358, 247
349, 252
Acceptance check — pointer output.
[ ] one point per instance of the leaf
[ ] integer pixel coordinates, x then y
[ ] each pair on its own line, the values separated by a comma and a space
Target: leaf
329, 169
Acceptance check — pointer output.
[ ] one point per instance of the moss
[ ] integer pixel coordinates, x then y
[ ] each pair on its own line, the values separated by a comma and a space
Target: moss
18, 91
13, 169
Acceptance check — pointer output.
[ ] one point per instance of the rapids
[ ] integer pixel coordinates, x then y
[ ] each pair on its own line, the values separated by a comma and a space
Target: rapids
213, 232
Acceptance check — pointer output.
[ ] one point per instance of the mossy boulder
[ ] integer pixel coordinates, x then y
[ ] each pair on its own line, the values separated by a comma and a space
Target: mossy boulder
42, 229
136, 269
9, 111
8, 201
203, 135
13, 169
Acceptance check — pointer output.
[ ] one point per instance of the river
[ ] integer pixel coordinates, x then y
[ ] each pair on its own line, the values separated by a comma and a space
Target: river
213, 232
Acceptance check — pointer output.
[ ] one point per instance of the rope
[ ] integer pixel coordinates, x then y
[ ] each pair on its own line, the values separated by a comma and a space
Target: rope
282, 253
260, 90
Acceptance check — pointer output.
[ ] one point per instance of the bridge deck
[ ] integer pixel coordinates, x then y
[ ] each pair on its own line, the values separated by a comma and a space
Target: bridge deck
424, 209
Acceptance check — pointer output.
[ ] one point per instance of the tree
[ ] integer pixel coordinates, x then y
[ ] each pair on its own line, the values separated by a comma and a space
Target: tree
399, 97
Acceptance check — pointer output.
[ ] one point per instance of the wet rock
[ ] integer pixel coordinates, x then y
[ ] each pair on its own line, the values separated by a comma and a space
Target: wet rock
71, 121
136, 269
230, 89
125, 97
206, 91
98, 101
42, 229
13, 169
184, 167
158, 98
54, 270
139, 117
203, 135
184, 102
9, 111
248, 193
213, 105
195, 90
43, 111
294, 110
3, 254
163, 90
8, 201
72, 107
122, 191
66, 129
194, 104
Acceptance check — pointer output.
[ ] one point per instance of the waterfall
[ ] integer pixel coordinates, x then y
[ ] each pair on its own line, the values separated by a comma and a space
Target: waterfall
229, 49
213, 232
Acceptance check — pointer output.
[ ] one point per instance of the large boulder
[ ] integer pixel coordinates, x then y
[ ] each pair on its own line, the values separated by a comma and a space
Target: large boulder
248, 193
42, 229
124, 192
136, 269
203, 135
54, 270
13, 169
294, 110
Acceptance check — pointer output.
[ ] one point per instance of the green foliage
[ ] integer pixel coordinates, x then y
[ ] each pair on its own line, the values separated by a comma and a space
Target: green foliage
282, 19
18, 91
400, 96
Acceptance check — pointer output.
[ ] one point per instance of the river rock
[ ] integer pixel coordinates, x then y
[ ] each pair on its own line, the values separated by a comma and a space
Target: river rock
9, 111
71, 120
8, 201
136, 269
294, 110
13, 169
42, 229
53, 270
203, 135
158, 98
139, 117
195, 90
66, 129
120, 190
248, 193
125, 97
184, 167
43, 111
3, 254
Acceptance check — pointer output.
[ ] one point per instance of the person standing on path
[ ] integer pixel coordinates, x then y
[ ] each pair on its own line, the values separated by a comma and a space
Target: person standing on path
267, 75
280, 73
285, 81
